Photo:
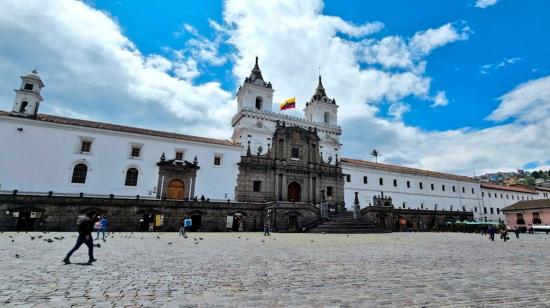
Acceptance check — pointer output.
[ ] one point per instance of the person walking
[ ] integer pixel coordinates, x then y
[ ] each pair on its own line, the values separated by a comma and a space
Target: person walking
85, 229
516, 231
182, 228
103, 226
504, 234
267, 226
491, 231
187, 223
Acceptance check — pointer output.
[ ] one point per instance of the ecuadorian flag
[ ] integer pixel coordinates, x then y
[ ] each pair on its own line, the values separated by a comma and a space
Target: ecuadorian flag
288, 104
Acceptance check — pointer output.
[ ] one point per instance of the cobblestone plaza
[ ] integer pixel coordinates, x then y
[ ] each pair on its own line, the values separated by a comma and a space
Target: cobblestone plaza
248, 269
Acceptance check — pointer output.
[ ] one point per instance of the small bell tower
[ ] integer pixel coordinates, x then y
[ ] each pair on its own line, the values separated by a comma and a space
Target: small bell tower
321, 108
255, 93
27, 97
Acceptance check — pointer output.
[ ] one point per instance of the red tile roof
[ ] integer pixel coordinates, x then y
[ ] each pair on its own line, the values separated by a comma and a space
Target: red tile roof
528, 204
521, 189
401, 169
125, 129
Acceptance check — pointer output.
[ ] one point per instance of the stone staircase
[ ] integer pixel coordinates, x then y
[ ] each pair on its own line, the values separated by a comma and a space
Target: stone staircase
343, 222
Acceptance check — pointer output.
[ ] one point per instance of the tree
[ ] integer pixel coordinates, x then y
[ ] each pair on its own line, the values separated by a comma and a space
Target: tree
375, 154
535, 174
530, 181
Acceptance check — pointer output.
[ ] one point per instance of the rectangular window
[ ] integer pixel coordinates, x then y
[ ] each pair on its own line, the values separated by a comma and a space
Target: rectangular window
365, 180
217, 160
536, 218
85, 146
506, 196
348, 178
420, 185
464, 209
136, 151
432, 186
408, 184
492, 211
482, 194
475, 209
489, 194
512, 197
484, 210
329, 191
28, 86
498, 210
295, 153
394, 183
501, 196
381, 181
463, 190
443, 188
473, 191
179, 155
454, 189
257, 186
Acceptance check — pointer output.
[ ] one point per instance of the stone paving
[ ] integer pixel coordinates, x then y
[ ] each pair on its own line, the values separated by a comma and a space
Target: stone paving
298, 270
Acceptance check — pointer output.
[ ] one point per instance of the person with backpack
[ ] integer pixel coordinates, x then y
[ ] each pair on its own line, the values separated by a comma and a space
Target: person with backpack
182, 228
187, 223
103, 226
85, 229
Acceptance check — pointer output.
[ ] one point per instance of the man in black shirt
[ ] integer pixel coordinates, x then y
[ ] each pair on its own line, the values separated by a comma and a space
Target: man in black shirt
85, 229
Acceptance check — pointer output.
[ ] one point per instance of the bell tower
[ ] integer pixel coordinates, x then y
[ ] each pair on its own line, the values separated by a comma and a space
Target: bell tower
255, 94
321, 108
27, 97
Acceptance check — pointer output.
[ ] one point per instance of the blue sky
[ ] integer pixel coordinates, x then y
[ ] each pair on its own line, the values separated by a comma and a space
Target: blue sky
447, 85
509, 30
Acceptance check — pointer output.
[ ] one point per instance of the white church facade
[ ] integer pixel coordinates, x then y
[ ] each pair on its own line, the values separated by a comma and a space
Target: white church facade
42, 153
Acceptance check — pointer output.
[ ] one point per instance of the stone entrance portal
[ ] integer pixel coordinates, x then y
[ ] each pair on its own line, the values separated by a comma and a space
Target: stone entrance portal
294, 192
176, 179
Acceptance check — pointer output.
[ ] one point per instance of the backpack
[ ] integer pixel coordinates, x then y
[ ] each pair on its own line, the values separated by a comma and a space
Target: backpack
187, 222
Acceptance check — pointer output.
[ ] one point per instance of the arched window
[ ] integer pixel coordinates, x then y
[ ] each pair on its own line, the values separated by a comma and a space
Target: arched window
79, 173
259, 103
131, 177
23, 106
327, 117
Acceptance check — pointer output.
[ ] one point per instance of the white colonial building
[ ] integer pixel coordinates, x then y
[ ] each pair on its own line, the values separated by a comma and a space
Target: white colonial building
42, 153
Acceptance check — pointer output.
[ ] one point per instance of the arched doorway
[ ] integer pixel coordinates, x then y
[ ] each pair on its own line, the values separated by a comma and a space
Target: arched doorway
294, 192
175, 190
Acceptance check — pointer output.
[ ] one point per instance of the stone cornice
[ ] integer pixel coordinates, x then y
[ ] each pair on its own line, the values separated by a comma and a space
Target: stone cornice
273, 116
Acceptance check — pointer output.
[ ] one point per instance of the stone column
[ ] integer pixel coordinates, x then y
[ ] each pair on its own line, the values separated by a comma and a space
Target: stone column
276, 190
356, 207
284, 184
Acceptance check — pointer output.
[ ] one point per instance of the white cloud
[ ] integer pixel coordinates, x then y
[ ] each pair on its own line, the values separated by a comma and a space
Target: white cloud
488, 68
528, 102
400, 52
90, 67
485, 3
396, 110
425, 41
299, 39
440, 99
292, 41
